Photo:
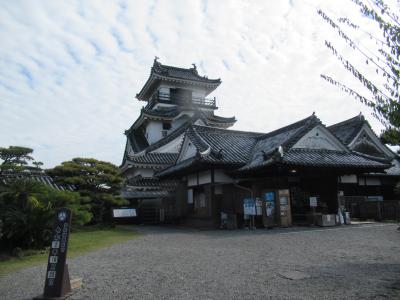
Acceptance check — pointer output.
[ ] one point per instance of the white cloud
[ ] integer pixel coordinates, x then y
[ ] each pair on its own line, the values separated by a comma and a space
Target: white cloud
69, 71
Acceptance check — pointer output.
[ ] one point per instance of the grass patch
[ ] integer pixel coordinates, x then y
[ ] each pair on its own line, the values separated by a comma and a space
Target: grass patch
86, 240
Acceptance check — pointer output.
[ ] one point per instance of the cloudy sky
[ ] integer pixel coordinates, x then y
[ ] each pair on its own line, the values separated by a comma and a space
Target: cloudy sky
70, 70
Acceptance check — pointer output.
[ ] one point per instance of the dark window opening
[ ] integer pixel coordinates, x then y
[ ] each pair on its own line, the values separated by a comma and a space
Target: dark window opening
166, 126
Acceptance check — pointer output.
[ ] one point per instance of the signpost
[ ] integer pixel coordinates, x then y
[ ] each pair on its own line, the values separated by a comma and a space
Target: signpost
57, 284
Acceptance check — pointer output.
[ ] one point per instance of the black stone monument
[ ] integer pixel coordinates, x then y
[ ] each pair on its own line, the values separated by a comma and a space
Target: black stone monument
57, 284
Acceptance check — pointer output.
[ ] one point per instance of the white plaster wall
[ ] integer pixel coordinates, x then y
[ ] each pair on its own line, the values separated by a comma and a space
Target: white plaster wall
196, 91
177, 123
220, 176
192, 180
199, 94
348, 179
372, 181
153, 131
189, 152
172, 147
204, 177
319, 138
199, 122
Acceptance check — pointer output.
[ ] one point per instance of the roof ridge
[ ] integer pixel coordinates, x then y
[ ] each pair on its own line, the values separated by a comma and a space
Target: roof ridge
317, 150
360, 117
289, 127
158, 68
309, 124
197, 135
247, 133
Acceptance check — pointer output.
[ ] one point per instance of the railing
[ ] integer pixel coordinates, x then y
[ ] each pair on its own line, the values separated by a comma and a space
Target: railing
180, 100
361, 207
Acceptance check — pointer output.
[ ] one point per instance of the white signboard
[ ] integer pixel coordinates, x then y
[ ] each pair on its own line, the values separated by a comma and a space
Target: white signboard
313, 202
124, 212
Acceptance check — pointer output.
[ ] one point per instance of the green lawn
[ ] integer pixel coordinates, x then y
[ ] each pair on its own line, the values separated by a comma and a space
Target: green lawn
79, 243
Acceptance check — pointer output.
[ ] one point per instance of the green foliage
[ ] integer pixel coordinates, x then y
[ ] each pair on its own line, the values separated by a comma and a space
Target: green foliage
26, 220
78, 205
99, 181
27, 210
16, 159
384, 96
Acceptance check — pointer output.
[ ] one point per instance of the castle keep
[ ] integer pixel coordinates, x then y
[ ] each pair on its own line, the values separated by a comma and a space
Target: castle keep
183, 164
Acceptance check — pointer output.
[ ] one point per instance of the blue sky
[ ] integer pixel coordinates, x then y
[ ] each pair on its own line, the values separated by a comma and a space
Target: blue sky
70, 70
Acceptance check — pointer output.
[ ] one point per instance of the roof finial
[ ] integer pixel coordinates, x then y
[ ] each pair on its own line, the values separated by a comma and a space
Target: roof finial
194, 66
156, 58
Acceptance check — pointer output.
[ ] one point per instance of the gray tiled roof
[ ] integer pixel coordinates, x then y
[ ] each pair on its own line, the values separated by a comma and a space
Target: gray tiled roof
151, 182
135, 194
251, 151
165, 112
138, 140
181, 73
347, 130
328, 158
228, 146
286, 137
172, 112
154, 158
318, 158
38, 177
164, 72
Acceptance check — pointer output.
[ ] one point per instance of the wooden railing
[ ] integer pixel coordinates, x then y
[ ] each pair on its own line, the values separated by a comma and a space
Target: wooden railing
185, 101
362, 208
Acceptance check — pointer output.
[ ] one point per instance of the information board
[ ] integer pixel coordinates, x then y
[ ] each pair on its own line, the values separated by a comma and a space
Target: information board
269, 198
313, 202
249, 207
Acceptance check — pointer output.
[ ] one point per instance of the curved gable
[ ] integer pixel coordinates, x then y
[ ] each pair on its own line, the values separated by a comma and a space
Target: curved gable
320, 138
367, 142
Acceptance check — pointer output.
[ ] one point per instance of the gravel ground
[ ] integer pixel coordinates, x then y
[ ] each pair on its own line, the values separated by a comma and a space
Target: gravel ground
352, 262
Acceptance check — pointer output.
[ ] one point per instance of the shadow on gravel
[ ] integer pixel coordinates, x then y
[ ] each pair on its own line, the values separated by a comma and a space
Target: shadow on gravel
384, 278
225, 233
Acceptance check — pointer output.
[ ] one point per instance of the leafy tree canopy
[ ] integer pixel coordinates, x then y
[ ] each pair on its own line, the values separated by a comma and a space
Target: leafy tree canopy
16, 159
384, 96
98, 180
